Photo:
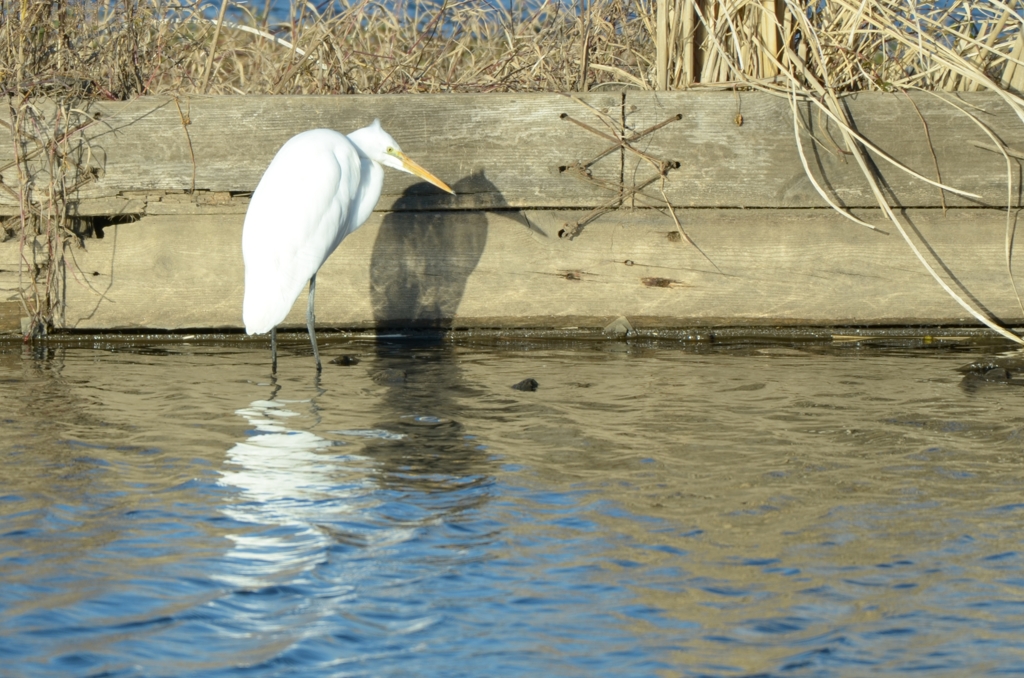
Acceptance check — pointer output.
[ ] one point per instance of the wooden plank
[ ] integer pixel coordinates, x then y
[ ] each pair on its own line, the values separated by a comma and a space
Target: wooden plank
198, 203
10, 282
16, 263
10, 317
505, 150
757, 163
499, 150
509, 269
107, 206
151, 202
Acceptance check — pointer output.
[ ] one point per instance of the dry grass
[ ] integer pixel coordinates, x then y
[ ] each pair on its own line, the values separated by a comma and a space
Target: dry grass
846, 45
123, 49
120, 49
74, 50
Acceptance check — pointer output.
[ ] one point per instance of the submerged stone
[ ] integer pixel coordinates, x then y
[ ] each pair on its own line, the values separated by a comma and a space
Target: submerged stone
529, 384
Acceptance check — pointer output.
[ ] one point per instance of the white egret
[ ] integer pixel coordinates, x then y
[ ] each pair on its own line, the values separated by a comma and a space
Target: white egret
321, 186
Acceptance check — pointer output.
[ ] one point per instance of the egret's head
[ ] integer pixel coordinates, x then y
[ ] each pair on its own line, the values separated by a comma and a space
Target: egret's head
379, 146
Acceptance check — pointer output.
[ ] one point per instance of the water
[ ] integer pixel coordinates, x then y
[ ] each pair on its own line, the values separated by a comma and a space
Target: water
282, 11
166, 510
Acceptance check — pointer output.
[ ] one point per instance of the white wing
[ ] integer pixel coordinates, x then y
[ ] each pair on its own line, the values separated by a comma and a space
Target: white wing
294, 221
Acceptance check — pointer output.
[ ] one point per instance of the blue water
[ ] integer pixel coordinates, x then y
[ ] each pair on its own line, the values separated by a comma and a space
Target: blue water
418, 12
170, 510
283, 10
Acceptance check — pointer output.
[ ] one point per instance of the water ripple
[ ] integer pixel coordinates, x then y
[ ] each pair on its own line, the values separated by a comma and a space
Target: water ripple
648, 511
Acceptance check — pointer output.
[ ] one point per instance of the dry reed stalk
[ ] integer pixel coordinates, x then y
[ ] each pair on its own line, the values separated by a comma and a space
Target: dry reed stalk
51, 163
661, 44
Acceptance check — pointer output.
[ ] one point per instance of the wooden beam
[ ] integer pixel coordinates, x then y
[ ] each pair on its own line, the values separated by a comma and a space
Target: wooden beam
505, 151
501, 150
756, 163
510, 269
10, 317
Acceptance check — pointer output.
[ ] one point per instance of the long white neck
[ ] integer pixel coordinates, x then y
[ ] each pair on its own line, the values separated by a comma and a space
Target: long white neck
371, 180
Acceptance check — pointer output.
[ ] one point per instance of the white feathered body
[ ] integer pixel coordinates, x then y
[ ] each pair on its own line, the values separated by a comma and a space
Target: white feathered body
317, 190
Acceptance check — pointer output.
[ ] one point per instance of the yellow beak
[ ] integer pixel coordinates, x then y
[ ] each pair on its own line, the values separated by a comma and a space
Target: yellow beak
413, 168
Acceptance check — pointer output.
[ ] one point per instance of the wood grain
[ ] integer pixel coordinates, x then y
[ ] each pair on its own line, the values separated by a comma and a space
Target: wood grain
509, 269
502, 150
757, 164
506, 150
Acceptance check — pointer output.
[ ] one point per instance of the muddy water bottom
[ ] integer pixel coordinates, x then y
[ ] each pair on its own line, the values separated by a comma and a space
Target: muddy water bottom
169, 509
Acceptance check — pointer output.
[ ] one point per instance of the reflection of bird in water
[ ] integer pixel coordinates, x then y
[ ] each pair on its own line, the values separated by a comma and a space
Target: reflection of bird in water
293, 485
282, 474
276, 461
321, 186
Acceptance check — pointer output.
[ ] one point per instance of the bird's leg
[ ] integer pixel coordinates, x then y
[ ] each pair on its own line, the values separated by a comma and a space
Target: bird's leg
273, 350
311, 320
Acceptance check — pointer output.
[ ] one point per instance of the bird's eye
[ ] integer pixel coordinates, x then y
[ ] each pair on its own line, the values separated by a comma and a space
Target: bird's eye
391, 149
